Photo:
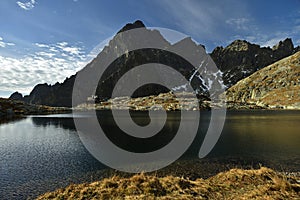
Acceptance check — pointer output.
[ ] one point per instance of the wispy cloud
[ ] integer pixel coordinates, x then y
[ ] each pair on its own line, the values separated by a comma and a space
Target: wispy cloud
28, 5
42, 45
264, 40
270, 42
191, 16
267, 38
203, 20
239, 23
5, 44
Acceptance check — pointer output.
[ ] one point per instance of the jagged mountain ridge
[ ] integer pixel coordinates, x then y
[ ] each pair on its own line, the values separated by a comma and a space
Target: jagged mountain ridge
275, 86
241, 58
237, 61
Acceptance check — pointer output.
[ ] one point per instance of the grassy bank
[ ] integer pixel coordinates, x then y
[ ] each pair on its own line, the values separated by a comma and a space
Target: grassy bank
263, 183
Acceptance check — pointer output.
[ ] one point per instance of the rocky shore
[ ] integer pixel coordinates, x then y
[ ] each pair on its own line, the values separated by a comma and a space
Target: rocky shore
176, 101
13, 108
263, 183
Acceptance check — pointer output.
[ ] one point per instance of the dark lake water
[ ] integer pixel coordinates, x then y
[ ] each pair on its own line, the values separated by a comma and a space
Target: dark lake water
42, 153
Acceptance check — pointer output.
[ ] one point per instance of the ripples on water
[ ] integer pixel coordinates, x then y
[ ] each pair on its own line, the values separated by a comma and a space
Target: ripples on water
42, 153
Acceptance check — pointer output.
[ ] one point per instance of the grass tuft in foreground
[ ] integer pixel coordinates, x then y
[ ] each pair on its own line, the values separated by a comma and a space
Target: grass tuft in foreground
263, 183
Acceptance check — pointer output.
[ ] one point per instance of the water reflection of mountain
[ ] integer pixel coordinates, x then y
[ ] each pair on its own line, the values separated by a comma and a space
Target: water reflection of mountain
65, 123
6, 120
121, 139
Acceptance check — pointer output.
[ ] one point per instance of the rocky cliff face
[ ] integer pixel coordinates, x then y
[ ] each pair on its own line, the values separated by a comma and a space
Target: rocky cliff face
61, 94
58, 95
275, 86
241, 58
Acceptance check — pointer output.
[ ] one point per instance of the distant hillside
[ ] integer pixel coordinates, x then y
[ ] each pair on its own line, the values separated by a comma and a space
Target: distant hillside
13, 108
275, 86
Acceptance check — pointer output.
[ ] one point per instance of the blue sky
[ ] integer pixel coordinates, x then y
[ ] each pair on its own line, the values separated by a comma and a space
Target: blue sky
48, 40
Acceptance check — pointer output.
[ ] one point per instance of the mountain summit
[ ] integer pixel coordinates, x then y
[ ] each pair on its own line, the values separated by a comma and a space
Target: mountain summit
136, 24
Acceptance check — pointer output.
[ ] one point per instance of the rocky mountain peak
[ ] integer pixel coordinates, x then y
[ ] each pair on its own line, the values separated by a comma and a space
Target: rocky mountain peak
287, 44
129, 26
284, 48
16, 96
238, 45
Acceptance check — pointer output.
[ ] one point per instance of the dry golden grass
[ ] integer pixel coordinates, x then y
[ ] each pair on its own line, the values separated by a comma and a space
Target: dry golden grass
283, 96
262, 183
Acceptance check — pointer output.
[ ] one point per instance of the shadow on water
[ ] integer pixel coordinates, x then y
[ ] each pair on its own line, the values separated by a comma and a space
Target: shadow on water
65, 123
153, 143
248, 136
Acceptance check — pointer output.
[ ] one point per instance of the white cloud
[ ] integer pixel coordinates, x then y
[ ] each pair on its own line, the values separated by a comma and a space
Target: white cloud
45, 65
269, 40
28, 5
42, 45
5, 44
239, 23
46, 54
62, 44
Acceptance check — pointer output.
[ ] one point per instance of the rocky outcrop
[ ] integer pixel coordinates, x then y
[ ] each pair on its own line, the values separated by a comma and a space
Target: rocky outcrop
241, 58
16, 96
275, 86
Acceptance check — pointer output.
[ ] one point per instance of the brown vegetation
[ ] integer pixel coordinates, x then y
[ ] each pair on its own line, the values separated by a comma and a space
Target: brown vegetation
262, 183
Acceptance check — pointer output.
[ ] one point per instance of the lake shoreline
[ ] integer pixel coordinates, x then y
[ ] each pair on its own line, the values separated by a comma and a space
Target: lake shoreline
11, 110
